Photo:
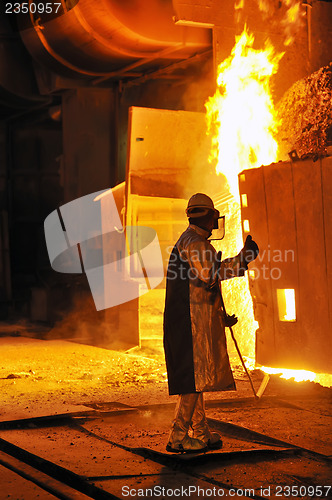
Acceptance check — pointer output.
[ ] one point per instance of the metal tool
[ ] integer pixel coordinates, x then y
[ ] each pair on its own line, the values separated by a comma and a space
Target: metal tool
237, 347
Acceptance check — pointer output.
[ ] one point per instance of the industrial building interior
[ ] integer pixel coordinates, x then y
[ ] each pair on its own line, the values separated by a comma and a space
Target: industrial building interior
124, 110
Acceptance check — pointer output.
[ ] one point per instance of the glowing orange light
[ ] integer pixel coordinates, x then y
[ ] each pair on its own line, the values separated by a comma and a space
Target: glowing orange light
292, 17
286, 304
292, 21
298, 375
242, 123
323, 379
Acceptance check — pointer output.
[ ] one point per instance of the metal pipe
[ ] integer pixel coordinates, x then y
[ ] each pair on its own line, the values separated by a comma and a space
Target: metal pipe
136, 64
163, 71
237, 347
107, 38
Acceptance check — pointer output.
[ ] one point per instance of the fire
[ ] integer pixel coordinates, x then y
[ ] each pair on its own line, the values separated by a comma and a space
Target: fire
292, 14
292, 21
243, 124
241, 113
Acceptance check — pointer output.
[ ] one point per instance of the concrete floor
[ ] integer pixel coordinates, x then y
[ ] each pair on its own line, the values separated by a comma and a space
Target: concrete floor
90, 438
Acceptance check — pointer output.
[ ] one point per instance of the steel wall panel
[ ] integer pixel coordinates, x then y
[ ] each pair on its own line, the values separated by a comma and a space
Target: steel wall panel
282, 243
292, 211
313, 297
326, 165
252, 185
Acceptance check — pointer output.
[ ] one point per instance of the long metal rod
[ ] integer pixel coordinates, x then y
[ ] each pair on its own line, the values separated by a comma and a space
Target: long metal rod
237, 347
242, 361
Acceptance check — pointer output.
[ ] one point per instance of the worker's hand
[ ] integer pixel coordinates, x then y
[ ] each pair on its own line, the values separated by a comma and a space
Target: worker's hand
249, 252
230, 320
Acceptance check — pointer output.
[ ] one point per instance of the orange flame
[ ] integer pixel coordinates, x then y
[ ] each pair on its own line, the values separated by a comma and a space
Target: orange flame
292, 21
241, 113
292, 16
289, 14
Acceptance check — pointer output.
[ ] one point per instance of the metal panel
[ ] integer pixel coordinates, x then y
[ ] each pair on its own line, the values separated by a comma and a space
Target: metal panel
289, 215
122, 331
252, 186
167, 160
165, 215
313, 299
326, 165
282, 244
167, 152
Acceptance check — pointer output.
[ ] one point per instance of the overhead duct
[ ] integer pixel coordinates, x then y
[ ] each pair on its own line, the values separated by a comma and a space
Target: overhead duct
109, 37
18, 88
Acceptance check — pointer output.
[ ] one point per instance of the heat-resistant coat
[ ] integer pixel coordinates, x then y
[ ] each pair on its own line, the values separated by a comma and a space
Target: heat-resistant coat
194, 333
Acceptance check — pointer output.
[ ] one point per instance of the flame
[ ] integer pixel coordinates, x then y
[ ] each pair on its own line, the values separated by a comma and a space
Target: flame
241, 114
242, 122
292, 20
291, 16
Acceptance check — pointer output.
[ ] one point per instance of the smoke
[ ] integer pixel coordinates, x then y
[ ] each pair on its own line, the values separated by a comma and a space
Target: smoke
287, 14
202, 176
200, 87
83, 324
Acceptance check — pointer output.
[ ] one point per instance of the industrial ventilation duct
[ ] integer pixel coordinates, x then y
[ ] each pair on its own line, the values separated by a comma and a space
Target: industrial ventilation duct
109, 37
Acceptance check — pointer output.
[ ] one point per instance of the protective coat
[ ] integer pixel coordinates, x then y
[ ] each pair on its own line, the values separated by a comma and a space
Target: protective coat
194, 332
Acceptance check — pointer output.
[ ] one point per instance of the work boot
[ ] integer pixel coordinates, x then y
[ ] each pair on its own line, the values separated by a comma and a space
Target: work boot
179, 441
200, 426
187, 445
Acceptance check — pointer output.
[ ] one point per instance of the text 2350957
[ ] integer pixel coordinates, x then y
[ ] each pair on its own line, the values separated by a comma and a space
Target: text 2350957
32, 8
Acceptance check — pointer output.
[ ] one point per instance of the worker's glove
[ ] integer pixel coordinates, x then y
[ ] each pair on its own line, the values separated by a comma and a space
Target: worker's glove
249, 252
230, 320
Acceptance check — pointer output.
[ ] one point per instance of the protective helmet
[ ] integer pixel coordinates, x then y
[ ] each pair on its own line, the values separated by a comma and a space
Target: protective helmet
199, 205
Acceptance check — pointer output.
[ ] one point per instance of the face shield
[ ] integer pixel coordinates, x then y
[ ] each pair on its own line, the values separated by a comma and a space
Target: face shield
218, 231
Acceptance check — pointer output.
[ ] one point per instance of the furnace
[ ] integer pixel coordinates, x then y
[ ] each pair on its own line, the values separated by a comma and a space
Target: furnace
288, 207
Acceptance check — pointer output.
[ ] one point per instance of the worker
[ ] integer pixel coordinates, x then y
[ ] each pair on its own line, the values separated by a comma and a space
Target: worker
194, 325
